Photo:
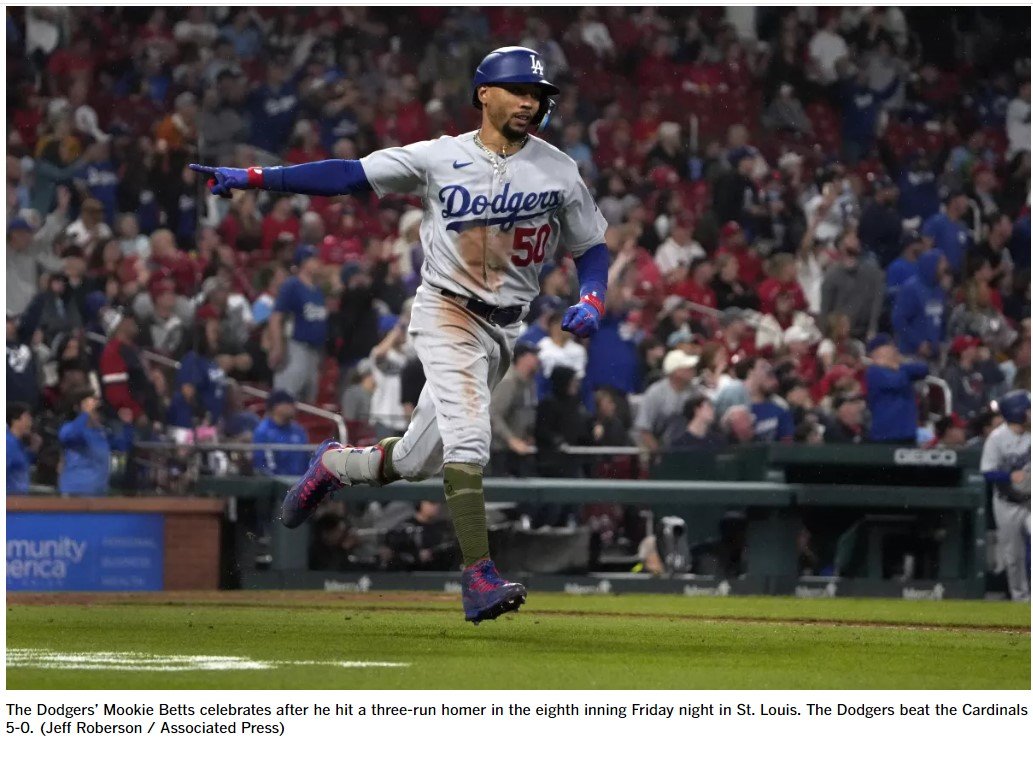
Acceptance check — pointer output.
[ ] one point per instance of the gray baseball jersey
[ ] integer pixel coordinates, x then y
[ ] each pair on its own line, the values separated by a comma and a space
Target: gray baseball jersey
489, 223
1008, 451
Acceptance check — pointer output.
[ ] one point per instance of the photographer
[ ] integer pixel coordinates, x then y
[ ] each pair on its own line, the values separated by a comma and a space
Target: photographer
423, 541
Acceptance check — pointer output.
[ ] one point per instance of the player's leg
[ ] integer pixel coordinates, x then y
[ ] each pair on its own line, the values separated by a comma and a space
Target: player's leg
292, 377
1012, 530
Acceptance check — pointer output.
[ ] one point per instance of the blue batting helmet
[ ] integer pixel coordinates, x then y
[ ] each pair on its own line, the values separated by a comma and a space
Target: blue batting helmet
516, 65
1014, 406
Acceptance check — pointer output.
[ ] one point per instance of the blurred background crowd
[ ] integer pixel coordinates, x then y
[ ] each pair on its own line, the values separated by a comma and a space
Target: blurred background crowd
819, 221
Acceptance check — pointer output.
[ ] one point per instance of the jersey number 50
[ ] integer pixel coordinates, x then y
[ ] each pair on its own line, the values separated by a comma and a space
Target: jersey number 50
531, 243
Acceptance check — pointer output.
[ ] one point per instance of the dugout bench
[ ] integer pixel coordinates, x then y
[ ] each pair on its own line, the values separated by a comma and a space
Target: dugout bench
877, 493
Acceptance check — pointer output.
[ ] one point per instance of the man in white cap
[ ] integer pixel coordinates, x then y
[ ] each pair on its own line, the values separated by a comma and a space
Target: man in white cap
659, 416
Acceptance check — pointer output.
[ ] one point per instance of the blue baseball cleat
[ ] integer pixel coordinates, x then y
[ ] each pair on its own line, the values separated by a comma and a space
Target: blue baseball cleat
311, 490
486, 595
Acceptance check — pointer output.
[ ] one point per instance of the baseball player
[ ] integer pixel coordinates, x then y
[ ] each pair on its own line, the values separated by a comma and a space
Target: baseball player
497, 203
1005, 464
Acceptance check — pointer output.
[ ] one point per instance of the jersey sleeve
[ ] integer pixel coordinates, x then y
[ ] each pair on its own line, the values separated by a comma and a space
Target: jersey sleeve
398, 170
583, 225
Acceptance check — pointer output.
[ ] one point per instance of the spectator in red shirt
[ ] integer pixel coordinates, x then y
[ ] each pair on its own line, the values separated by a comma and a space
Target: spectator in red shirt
736, 335
781, 280
279, 220
72, 63
697, 287
733, 242
122, 374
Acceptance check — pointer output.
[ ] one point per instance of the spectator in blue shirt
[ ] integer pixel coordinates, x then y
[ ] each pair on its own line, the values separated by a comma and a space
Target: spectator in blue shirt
19, 456
919, 191
274, 109
101, 178
86, 450
947, 232
772, 421
861, 108
891, 395
902, 268
200, 384
918, 312
279, 427
300, 304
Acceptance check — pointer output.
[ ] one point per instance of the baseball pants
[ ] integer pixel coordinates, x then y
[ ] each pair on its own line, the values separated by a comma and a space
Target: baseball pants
300, 373
463, 357
1012, 534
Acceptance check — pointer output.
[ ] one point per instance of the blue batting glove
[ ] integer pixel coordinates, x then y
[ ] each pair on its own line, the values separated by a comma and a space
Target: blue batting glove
581, 319
222, 179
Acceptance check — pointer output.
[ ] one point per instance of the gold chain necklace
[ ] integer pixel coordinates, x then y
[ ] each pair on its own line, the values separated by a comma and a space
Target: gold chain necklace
480, 144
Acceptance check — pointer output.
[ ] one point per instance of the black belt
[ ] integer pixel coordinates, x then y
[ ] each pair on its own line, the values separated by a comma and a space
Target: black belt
502, 316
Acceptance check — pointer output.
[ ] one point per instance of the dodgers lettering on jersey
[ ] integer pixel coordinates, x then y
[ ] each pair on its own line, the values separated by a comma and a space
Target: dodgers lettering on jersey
306, 307
486, 232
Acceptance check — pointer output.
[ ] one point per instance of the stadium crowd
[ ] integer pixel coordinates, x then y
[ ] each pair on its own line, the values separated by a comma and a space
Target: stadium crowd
810, 210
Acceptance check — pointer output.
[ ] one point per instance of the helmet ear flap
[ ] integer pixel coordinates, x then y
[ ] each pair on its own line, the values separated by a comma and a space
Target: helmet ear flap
541, 119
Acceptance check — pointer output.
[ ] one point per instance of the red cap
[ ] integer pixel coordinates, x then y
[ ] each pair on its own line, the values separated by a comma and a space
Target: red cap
730, 228
963, 342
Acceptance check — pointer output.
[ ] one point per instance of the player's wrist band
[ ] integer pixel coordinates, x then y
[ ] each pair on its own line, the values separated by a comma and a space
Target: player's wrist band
594, 301
255, 177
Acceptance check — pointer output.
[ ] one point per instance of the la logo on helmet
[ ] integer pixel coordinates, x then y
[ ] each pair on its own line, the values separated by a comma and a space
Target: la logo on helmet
536, 66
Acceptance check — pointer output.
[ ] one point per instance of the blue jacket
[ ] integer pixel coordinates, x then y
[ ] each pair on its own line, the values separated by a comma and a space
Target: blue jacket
891, 400
87, 458
861, 108
919, 307
899, 271
19, 459
272, 462
953, 238
919, 193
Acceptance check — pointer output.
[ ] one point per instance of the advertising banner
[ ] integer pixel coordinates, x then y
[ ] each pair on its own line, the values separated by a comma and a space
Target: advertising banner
65, 551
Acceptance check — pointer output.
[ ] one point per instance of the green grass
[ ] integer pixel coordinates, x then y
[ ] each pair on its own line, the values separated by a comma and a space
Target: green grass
558, 642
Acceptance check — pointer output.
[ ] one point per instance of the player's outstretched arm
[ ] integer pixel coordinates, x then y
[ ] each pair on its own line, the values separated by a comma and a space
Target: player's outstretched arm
582, 319
331, 177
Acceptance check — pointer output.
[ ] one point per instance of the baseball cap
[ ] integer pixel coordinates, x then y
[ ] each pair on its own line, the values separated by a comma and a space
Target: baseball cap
364, 367
277, 397
303, 254
882, 182
964, 342
18, 224
730, 228
682, 335
910, 238
880, 340
349, 270
522, 349
678, 359
738, 154
732, 314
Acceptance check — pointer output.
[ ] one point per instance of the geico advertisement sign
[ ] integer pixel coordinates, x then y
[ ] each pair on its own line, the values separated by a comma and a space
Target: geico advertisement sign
928, 457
